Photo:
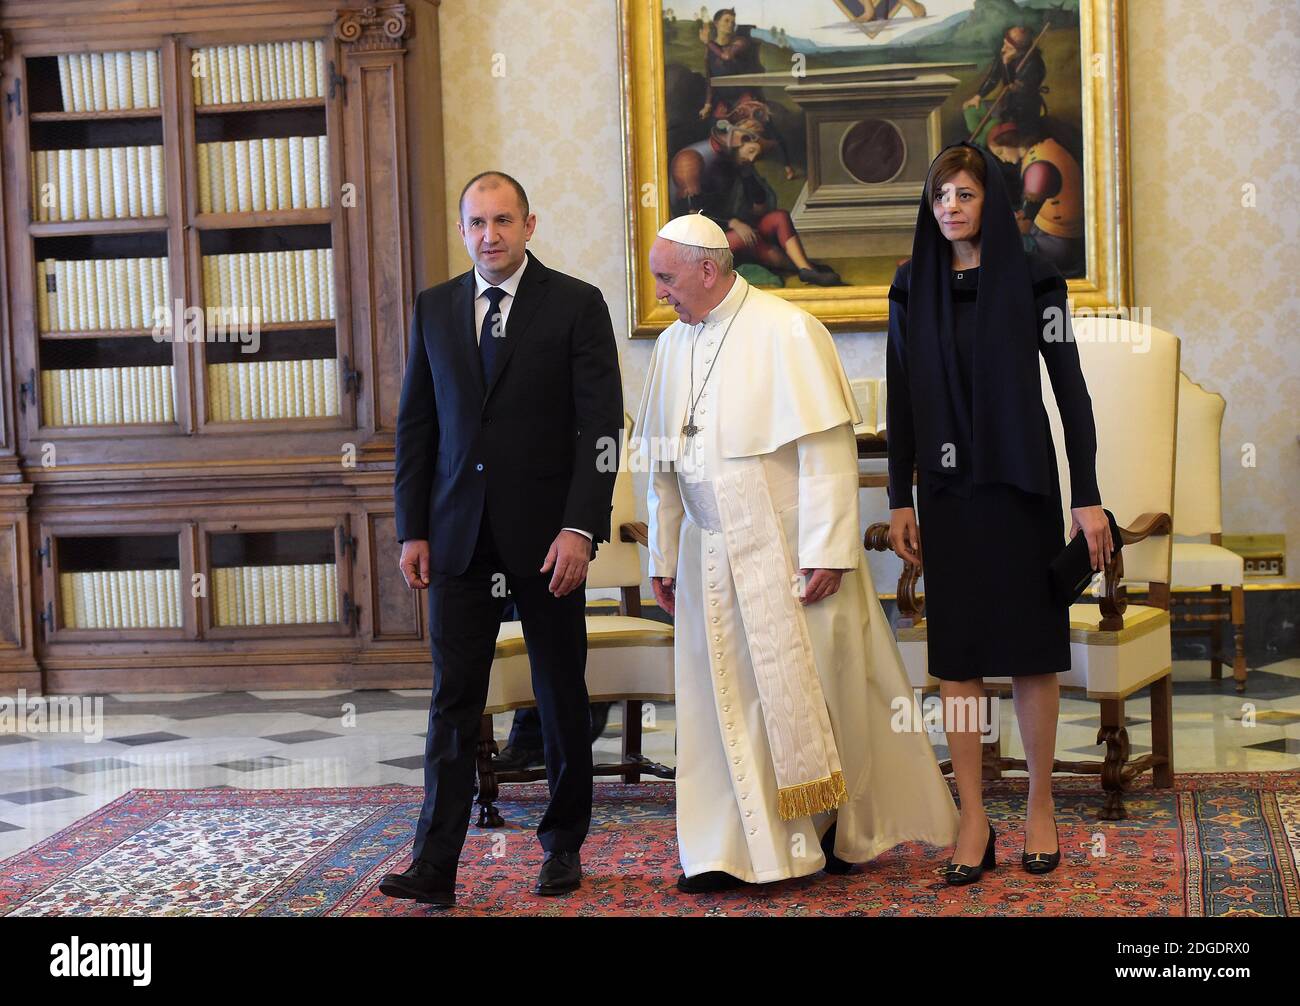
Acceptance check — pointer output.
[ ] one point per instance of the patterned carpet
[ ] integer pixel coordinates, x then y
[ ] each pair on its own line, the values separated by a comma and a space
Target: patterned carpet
1217, 845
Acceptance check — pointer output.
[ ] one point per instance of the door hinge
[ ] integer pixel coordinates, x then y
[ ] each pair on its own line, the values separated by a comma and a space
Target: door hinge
44, 553
347, 541
14, 99
25, 389
351, 612
351, 378
47, 616
337, 80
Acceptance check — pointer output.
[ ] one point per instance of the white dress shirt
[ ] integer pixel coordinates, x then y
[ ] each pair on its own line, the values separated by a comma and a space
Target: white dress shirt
510, 285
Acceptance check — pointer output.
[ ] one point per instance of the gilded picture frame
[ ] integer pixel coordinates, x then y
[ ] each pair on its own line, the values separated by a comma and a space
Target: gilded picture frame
833, 151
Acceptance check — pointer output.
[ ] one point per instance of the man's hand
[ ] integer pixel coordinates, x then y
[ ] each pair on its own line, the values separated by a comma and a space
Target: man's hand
665, 588
819, 583
1092, 519
746, 233
414, 563
904, 535
570, 554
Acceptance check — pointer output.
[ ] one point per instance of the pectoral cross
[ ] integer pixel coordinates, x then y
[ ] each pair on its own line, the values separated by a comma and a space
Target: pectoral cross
690, 429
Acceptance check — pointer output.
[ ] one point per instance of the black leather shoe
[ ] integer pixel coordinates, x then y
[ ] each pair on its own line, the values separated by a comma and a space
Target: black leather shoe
1042, 862
834, 864
960, 873
561, 873
709, 883
422, 882
515, 759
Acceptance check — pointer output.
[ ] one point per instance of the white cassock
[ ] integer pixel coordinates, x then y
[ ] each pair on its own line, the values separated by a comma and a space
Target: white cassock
776, 410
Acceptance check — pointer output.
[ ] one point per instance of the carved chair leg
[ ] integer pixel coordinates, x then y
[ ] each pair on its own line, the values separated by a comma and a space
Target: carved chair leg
1162, 730
488, 816
991, 760
1216, 635
1239, 668
631, 737
1114, 735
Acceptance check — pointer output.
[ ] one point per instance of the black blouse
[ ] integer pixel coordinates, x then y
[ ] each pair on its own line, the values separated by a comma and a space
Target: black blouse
1061, 357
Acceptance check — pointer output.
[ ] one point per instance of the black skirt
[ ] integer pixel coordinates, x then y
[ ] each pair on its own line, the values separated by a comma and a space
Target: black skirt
989, 610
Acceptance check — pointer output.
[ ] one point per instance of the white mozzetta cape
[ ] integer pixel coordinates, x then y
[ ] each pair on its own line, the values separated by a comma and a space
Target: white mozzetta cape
790, 363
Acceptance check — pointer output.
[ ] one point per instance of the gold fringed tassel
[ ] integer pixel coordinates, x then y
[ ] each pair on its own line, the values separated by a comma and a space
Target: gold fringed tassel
811, 798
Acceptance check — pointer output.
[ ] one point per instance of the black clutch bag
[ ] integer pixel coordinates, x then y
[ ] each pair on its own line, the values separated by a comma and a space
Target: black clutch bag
1072, 570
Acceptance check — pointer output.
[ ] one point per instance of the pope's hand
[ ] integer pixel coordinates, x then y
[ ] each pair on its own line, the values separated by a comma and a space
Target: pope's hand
570, 554
665, 588
414, 563
819, 584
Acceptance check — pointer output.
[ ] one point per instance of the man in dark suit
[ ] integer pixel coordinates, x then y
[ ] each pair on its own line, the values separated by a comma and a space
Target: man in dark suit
511, 402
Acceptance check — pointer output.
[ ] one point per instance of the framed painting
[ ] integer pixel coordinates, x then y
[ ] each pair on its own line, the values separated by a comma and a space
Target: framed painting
806, 128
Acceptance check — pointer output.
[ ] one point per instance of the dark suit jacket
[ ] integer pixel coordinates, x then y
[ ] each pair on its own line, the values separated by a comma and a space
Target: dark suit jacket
524, 443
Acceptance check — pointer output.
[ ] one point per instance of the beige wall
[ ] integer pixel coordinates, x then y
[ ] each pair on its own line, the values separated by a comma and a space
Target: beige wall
1213, 106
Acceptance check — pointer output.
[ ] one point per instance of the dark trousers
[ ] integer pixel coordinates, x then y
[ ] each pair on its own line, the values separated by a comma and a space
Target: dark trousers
464, 618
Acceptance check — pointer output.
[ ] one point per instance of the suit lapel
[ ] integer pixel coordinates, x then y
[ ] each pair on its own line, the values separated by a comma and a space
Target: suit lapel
462, 317
529, 296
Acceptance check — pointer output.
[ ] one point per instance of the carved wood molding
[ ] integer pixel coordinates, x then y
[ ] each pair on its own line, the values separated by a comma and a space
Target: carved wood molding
368, 29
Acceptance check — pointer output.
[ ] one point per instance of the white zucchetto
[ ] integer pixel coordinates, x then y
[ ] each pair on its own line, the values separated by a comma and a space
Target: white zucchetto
694, 229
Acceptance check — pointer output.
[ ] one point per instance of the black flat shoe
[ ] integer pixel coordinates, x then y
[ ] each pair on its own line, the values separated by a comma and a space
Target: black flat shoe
709, 883
1043, 862
422, 882
960, 873
834, 864
561, 873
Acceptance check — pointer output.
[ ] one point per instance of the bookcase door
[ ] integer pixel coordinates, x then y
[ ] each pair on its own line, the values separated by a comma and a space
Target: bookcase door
111, 582
93, 200
278, 578
261, 140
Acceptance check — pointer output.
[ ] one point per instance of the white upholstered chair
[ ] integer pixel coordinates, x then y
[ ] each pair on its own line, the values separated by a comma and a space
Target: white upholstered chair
629, 658
1198, 511
1116, 649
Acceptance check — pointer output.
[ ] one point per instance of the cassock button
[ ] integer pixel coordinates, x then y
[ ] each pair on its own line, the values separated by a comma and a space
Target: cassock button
726, 709
714, 603
713, 584
731, 726
715, 622
724, 691
753, 831
718, 654
735, 761
749, 813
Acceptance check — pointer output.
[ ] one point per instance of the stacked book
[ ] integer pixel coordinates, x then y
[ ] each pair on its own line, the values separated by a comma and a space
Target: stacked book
266, 71
121, 599
96, 294
276, 595
109, 81
271, 173
285, 286
102, 396
272, 389
99, 183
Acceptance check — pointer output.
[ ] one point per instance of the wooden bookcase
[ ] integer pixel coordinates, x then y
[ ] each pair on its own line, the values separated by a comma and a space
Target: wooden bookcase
222, 519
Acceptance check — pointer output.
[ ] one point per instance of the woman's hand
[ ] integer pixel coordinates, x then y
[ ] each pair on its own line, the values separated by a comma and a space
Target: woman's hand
904, 535
1092, 520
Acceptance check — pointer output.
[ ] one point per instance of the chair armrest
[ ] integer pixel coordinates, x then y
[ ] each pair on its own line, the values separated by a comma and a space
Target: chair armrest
1114, 600
636, 531
910, 609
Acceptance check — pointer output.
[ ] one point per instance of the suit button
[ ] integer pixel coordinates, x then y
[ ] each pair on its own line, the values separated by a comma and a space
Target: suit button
478, 467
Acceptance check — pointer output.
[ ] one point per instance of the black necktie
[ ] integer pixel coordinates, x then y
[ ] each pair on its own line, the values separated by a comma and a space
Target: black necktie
493, 333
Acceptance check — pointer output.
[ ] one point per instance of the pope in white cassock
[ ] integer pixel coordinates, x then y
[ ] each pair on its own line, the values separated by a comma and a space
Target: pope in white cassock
786, 667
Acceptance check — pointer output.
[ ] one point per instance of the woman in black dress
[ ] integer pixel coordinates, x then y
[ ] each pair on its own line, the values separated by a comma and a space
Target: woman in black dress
969, 314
